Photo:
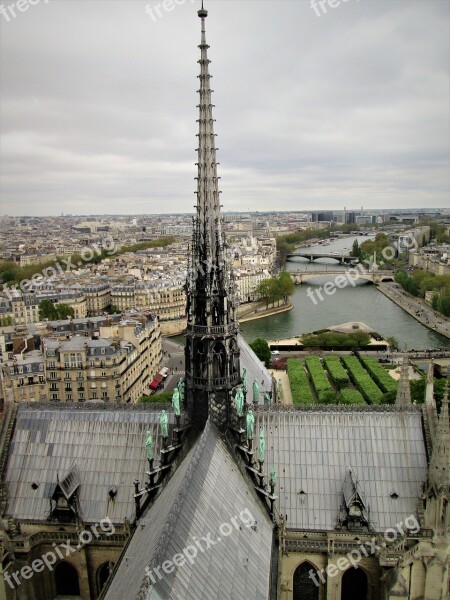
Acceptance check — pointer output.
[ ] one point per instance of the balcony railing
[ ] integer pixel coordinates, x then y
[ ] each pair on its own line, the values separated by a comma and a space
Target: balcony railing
213, 330
216, 382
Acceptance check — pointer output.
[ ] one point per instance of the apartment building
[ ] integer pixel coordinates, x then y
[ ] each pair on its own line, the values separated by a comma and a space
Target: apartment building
25, 309
98, 297
247, 283
165, 299
115, 367
23, 377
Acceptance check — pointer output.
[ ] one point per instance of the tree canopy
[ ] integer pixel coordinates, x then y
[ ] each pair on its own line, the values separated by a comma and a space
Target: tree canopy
261, 348
276, 289
53, 312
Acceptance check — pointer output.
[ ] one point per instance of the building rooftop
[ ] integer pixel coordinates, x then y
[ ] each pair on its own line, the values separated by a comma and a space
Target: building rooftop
312, 451
106, 444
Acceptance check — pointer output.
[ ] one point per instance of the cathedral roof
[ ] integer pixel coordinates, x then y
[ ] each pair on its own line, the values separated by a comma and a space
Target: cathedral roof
207, 491
312, 450
256, 371
105, 443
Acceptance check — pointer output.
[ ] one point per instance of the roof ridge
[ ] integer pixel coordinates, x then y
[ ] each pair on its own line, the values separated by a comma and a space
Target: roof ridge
174, 512
90, 407
343, 408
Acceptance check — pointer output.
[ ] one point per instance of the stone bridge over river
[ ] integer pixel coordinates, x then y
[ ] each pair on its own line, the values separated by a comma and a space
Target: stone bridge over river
300, 277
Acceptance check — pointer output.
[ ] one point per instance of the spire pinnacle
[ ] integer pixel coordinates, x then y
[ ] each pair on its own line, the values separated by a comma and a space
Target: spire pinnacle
430, 376
443, 422
403, 392
439, 471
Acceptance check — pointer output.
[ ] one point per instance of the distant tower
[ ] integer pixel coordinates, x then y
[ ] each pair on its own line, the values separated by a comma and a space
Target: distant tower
212, 353
403, 392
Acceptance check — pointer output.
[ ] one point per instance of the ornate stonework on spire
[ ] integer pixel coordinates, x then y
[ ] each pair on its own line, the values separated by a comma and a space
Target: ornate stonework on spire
403, 392
439, 470
212, 354
430, 404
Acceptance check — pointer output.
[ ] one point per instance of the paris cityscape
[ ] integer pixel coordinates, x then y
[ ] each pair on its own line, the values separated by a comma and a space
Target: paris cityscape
224, 372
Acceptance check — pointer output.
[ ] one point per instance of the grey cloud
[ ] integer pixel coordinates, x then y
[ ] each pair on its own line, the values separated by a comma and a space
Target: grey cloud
98, 105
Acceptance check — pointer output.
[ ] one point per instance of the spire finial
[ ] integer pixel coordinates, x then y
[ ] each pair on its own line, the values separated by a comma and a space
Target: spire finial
202, 13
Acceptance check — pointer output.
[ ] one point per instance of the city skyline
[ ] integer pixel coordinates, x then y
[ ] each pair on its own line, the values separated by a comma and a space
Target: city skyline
306, 120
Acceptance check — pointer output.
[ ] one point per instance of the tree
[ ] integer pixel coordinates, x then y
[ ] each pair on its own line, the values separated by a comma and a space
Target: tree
401, 276
417, 387
53, 312
435, 301
286, 285
65, 311
47, 310
444, 304
8, 272
393, 342
263, 291
269, 290
356, 250
261, 348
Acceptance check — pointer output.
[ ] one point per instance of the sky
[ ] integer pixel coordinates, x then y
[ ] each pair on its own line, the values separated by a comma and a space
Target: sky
315, 110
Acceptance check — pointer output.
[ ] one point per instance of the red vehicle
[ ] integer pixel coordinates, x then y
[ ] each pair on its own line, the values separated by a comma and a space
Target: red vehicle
157, 382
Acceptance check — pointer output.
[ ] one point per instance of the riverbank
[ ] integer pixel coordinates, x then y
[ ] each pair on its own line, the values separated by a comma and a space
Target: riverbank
263, 313
416, 308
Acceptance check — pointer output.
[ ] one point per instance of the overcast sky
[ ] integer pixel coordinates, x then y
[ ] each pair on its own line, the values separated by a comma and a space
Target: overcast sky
349, 108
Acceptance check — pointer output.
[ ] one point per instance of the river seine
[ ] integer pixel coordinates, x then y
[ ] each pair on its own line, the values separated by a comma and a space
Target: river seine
360, 303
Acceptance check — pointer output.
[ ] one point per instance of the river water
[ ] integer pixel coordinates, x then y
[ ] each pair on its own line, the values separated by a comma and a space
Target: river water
360, 303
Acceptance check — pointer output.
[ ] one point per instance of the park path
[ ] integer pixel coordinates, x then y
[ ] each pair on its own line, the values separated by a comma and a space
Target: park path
287, 396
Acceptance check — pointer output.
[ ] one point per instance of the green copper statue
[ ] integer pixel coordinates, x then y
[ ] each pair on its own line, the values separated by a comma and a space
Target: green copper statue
239, 399
176, 402
255, 392
164, 424
244, 379
181, 389
250, 424
266, 398
149, 446
262, 445
273, 477
279, 391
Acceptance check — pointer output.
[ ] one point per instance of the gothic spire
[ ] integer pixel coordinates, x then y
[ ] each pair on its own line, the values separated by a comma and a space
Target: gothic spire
439, 470
212, 352
403, 392
209, 230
